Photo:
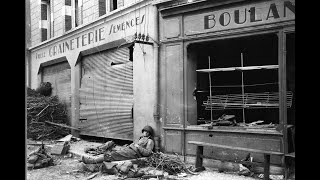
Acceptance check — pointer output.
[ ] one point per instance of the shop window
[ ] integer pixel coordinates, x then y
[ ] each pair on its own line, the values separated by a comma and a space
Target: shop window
236, 80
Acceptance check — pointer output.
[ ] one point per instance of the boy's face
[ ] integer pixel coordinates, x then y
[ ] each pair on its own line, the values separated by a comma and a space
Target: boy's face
145, 133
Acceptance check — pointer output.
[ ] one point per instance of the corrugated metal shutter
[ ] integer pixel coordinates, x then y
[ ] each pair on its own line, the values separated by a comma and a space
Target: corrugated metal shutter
59, 75
106, 95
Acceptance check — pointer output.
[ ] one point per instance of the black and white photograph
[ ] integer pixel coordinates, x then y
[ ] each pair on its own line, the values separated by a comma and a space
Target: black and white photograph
160, 90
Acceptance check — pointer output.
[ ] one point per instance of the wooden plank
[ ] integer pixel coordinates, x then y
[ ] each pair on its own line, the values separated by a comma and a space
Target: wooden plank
60, 149
234, 148
128, 137
62, 125
260, 139
251, 163
37, 144
216, 69
66, 138
238, 68
293, 154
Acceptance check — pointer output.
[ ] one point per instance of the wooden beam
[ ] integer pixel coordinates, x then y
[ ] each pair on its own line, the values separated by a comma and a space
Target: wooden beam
235, 148
245, 68
62, 125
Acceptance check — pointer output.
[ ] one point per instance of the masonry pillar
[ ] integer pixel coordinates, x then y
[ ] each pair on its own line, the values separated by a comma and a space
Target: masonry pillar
75, 63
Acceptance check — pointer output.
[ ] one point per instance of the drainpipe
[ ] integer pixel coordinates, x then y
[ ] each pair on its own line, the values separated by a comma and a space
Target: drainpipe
156, 114
28, 42
28, 59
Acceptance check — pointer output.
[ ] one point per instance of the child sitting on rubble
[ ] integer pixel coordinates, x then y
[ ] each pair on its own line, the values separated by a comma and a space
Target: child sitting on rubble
143, 147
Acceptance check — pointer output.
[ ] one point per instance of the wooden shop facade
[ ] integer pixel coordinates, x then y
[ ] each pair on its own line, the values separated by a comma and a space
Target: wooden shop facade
227, 76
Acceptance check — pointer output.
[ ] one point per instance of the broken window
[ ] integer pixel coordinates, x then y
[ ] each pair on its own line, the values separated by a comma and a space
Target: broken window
236, 79
113, 5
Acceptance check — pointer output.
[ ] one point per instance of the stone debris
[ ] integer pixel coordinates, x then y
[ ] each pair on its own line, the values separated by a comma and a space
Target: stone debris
39, 158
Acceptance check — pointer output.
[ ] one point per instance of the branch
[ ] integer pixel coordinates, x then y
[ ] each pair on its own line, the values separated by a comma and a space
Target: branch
62, 125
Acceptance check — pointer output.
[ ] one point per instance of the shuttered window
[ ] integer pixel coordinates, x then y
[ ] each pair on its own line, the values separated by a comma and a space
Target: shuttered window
106, 94
59, 75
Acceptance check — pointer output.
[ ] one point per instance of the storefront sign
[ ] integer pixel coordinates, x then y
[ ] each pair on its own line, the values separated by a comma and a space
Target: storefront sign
243, 16
96, 36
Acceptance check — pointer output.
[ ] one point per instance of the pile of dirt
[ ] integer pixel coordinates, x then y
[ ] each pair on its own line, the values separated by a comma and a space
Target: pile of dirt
42, 109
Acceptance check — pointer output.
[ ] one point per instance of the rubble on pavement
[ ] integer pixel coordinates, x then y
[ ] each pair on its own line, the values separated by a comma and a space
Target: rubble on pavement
158, 166
43, 153
39, 158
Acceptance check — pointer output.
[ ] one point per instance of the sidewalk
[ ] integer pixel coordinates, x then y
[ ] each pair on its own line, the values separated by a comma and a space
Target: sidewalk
77, 148
69, 165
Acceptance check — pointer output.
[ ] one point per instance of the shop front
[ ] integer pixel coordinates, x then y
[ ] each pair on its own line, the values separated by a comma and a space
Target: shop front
227, 77
105, 71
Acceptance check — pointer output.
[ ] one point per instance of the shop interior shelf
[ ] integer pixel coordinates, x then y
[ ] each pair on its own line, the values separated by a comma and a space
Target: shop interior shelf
246, 100
238, 68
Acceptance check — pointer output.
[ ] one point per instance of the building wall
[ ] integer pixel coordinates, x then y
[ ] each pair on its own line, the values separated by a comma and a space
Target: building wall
57, 17
143, 83
88, 12
90, 9
27, 41
35, 18
177, 32
115, 29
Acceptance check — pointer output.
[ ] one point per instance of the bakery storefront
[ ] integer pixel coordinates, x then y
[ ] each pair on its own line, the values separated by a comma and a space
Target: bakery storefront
105, 72
227, 77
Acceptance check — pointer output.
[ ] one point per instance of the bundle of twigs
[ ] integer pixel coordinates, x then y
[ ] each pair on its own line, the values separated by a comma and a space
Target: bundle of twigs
168, 163
40, 109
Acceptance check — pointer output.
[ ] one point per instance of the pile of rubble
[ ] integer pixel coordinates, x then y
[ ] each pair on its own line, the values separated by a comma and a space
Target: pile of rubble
39, 158
42, 111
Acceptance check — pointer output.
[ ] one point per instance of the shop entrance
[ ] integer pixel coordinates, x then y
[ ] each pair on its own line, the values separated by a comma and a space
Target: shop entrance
106, 94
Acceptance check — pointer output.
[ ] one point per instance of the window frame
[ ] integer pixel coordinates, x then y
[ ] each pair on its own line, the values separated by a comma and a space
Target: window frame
49, 16
281, 70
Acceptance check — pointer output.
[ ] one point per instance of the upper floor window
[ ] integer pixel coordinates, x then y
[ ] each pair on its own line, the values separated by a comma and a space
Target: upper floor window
106, 6
77, 13
45, 20
113, 4
102, 7
116, 4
